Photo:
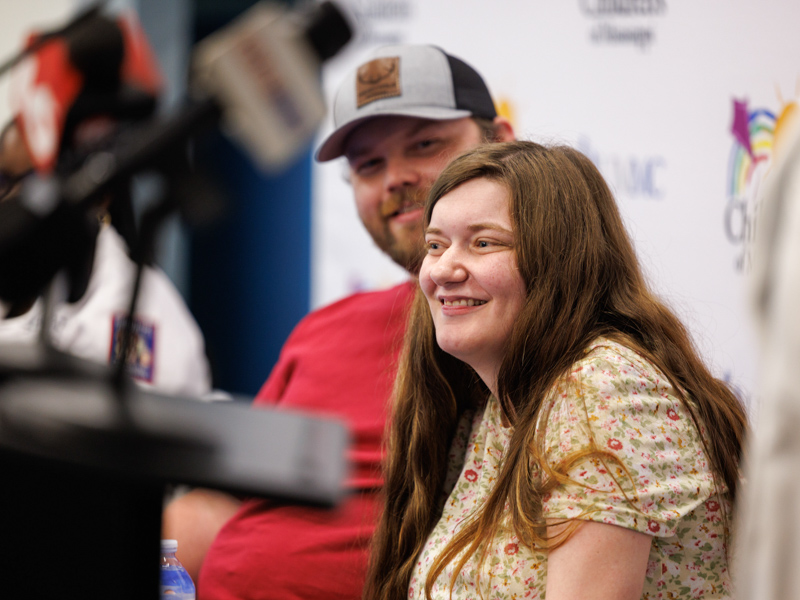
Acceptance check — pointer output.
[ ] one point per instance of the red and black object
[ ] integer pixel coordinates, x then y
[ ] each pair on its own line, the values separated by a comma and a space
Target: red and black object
72, 89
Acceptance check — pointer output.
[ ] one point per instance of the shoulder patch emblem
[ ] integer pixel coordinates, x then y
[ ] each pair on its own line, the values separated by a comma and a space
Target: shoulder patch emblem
142, 354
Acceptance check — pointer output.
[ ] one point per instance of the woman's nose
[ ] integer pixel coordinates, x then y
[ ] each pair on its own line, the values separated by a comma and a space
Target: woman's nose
449, 268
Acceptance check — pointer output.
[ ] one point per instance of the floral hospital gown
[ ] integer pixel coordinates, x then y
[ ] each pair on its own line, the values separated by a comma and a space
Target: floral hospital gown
628, 407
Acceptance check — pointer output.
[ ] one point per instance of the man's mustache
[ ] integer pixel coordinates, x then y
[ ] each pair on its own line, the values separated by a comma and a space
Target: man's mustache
407, 197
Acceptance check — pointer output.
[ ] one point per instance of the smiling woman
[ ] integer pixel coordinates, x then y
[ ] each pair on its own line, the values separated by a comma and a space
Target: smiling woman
554, 430
470, 276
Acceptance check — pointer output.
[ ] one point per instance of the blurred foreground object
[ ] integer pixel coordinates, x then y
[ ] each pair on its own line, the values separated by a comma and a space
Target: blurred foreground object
264, 71
260, 76
75, 91
84, 454
80, 465
768, 530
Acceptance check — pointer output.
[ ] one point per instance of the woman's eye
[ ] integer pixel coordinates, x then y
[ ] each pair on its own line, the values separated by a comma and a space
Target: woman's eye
492, 244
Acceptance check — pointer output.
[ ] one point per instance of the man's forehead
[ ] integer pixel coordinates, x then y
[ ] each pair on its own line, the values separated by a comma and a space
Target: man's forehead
368, 135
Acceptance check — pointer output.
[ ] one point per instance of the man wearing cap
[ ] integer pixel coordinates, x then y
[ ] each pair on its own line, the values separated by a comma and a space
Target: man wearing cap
400, 117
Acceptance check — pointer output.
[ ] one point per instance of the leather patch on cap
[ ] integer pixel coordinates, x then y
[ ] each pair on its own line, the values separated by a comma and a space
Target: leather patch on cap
379, 78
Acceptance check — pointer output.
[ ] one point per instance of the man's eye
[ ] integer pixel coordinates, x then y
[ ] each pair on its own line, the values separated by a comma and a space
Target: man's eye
367, 166
433, 246
426, 143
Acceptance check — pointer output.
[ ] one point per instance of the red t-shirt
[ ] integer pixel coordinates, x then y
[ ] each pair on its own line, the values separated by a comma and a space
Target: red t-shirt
339, 361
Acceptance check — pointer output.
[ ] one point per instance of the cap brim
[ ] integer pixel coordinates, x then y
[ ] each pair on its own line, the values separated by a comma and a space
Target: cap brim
333, 146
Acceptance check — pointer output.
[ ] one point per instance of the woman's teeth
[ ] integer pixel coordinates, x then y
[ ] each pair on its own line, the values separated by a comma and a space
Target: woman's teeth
469, 302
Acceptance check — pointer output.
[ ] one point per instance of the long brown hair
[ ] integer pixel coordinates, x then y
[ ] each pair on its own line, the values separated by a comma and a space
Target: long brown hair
583, 281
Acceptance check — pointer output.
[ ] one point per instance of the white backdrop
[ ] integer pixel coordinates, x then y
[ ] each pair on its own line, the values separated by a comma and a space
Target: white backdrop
646, 88
17, 19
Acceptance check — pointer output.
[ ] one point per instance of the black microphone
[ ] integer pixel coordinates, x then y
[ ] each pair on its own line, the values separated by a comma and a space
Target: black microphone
108, 99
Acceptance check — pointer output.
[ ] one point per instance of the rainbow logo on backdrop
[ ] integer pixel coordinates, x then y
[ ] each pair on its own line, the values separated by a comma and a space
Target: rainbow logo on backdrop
758, 135
753, 132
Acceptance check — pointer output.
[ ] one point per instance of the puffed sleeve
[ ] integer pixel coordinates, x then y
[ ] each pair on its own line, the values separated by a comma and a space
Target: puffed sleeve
653, 470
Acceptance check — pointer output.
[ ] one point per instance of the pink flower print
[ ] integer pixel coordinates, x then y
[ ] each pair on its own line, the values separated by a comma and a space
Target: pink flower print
712, 506
672, 414
546, 497
653, 526
615, 444
511, 548
471, 475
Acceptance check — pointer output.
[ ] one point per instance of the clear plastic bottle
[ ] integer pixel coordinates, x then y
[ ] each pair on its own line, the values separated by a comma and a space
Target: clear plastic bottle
175, 581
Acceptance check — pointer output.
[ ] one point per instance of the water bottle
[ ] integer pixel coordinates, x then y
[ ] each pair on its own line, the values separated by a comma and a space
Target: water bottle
175, 581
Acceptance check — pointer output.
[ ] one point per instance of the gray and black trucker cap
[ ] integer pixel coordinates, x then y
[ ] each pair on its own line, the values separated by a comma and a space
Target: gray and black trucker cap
407, 80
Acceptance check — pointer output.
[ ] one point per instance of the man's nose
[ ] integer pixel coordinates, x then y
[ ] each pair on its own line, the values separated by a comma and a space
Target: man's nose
400, 173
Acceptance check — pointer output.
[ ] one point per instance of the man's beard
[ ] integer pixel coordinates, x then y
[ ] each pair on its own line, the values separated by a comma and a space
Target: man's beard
406, 249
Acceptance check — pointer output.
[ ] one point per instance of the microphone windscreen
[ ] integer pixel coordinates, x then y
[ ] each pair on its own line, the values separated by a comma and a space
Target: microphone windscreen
96, 49
99, 61
327, 30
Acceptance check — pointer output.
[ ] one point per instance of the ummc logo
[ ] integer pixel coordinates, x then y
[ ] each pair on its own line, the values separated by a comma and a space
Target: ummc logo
750, 157
633, 176
622, 8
